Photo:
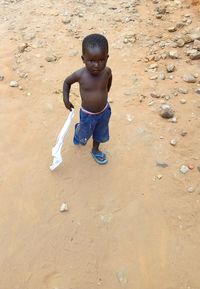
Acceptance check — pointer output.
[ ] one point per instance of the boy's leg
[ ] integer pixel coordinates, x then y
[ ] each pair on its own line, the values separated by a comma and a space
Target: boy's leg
95, 147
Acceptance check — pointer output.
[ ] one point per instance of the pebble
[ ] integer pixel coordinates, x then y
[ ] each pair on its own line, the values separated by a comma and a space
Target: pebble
129, 117
173, 54
161, 76
66, 20
172, 29
170, 67
184, 169
22, 47
63, 207
183, 133
180, 42
166, 111
1, 77
191, 167
183, 101
183, 90
198, 91
196, 45
13, 83
173, 142
189, 78
173, 120
122, 278
159, 177
191, 189
161, 164
195, 55
198, 168
51, 58
155, 95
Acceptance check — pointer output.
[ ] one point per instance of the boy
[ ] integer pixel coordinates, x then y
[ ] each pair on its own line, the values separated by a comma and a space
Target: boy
94, 80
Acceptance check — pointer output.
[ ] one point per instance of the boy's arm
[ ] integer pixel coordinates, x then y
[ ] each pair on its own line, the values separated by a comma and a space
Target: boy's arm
74, 77
109, 80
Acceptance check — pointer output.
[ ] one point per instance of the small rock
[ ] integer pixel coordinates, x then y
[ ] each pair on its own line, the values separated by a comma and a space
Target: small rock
161, 164
166, 111
183, 101
22, 47
122, 278
172, 29
184, 169
189, 78
63, 207
183, 133
191, 189
198, 168
173, 120
13, 83
183, 90
196, 45
155, 95
173, 54
51, 58
195, 55
170, 67
159, 177
191, 167
198, 91
180, 42
129, 117
66, 20
1, 77
173, 142
195, 35
161, 76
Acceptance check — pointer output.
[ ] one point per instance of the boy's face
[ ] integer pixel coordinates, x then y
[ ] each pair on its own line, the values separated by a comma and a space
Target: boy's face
95, 60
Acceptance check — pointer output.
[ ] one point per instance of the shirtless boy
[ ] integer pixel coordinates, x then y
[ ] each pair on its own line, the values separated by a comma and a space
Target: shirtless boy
94, 80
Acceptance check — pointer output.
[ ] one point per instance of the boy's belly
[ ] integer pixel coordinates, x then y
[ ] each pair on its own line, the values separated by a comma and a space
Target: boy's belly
94, 102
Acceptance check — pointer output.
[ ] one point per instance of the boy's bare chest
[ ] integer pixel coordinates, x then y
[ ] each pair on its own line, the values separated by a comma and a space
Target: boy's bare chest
94, 83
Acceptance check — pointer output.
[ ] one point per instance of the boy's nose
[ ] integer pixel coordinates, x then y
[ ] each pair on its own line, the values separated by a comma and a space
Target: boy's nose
96, 64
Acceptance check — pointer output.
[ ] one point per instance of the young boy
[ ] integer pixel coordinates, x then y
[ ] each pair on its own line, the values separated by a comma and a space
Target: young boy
94, 80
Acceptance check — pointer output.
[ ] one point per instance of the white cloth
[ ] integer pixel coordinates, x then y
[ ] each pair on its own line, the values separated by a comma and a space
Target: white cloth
56, 150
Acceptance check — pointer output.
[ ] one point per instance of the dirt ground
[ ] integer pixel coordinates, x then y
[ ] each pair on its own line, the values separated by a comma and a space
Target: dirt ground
131, 224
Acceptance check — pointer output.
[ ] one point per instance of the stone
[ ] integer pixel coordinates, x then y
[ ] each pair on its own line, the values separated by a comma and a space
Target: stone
198, 91
183, 101
173, 54
22, 47
63, 207
196, 44
161, 164
198, 168
162, 76
166, 111
191, 189
183, 90
173, 142
122, 278
173, 120
170, 67
189, 78
195, 55
180, 42
155, 95
13, 83
183, 133
184, 169
66, 20
159, 176
172, 29
1, 77
51, 58
195, 35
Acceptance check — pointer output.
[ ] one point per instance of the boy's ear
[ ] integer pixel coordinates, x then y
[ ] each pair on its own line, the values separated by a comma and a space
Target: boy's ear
108, 56
82, 57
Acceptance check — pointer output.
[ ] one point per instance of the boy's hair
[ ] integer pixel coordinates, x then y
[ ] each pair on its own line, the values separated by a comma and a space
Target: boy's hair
94, 40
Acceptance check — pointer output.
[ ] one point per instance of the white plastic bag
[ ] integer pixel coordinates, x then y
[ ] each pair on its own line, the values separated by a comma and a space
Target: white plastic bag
56, 150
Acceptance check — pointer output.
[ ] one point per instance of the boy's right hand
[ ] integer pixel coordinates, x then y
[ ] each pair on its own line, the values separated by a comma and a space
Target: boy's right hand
69, 105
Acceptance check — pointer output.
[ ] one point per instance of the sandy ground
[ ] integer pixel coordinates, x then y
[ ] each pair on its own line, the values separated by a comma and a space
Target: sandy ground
130, 224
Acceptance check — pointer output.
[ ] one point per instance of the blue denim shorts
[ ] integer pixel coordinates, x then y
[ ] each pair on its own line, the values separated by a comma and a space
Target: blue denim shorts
95, 125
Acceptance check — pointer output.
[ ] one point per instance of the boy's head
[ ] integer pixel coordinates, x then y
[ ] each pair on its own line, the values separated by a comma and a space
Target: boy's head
95, 53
